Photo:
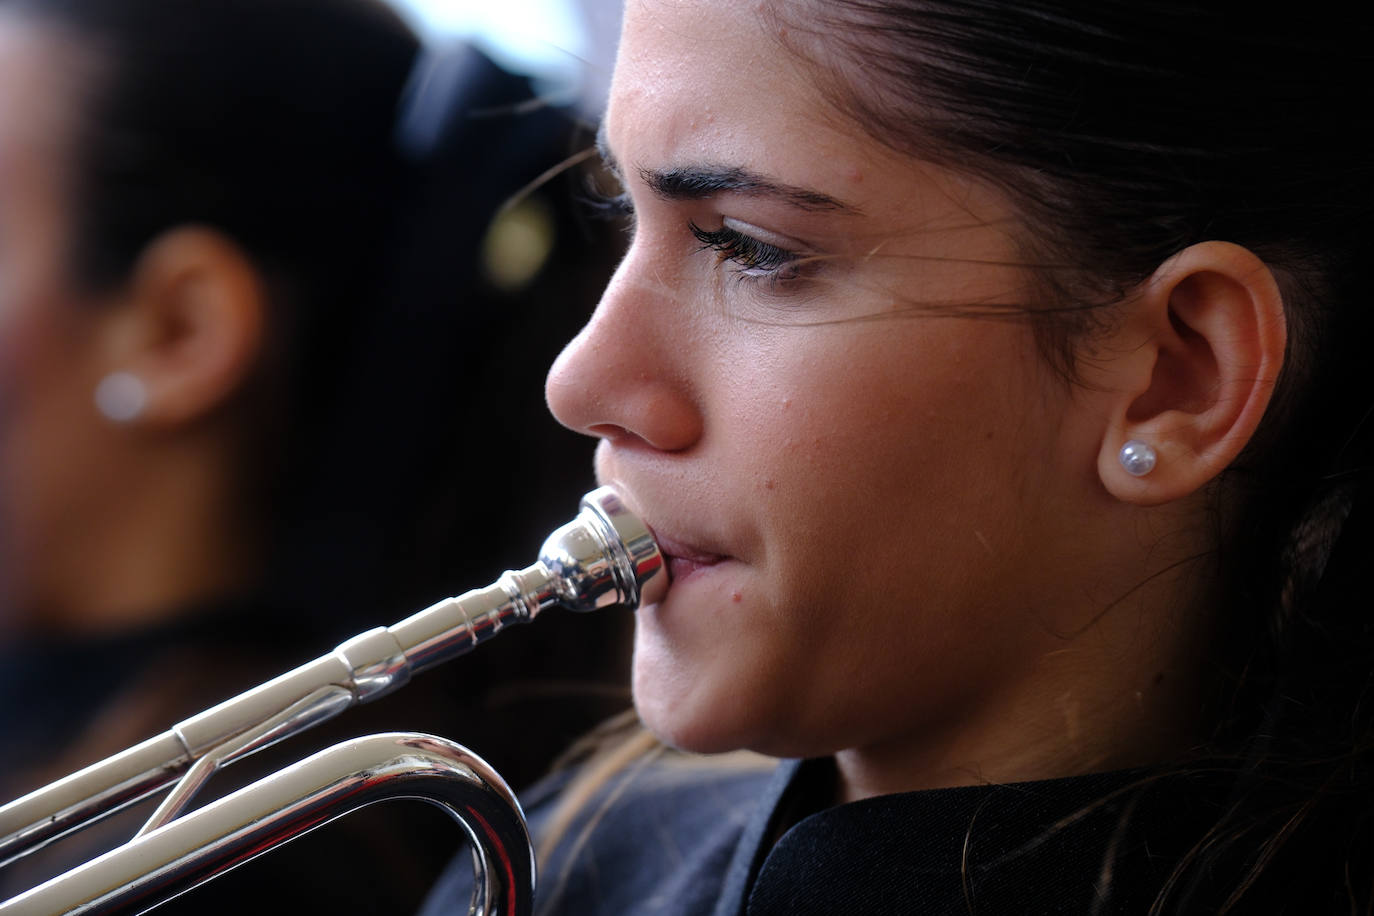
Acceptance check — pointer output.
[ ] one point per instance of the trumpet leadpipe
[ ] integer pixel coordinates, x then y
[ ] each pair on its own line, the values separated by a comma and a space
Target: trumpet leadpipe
605, 556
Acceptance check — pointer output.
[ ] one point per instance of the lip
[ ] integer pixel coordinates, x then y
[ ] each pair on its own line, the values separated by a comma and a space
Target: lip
685, 560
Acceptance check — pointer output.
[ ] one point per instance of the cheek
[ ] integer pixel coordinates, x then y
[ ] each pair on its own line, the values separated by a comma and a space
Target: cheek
46, 416
890, 478
875, 472
20, 445
914, 413
23, 342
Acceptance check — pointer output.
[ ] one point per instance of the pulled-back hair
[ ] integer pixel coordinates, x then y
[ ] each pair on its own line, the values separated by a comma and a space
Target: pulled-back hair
270, 121
1125, 132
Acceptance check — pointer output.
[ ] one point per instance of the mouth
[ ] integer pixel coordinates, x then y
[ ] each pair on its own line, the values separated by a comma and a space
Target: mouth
683, 560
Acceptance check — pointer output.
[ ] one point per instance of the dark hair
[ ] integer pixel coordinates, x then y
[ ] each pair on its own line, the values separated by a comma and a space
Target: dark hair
1125, 132
270, 121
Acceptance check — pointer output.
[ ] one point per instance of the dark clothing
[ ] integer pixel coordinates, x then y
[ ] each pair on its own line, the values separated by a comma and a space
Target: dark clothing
663, 846
688, 840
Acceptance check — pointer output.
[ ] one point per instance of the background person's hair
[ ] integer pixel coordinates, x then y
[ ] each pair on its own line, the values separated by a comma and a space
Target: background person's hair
251, 121
1125, 132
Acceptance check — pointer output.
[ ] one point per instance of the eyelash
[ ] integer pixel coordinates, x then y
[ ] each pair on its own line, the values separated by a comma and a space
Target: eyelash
755, 259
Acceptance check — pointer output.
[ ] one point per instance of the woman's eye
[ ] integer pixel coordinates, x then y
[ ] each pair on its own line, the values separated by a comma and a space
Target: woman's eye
752, 257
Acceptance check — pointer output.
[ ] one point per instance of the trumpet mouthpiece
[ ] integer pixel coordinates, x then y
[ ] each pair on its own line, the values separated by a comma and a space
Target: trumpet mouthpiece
605, 556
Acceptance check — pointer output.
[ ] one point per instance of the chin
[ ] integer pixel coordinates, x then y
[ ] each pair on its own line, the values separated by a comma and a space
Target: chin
691, 737
689, 721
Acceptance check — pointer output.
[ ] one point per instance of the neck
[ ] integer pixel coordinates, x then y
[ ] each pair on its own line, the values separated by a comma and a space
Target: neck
1116, 686
168, 536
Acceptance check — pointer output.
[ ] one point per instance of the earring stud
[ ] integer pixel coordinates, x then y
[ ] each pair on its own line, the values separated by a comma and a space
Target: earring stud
1137, 457
121, 396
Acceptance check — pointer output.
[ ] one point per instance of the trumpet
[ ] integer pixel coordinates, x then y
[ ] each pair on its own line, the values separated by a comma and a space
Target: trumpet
606, 556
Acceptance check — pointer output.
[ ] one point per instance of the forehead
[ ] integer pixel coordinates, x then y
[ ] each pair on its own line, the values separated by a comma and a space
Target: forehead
712, 83
706, 80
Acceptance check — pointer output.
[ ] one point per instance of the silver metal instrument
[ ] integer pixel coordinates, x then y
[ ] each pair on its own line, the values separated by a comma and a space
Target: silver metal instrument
606, 556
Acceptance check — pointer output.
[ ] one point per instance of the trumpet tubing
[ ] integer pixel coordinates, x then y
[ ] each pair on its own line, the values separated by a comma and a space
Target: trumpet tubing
157, 866
605, 556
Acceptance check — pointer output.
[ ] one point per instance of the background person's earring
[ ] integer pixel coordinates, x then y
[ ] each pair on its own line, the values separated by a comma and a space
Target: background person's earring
1137, 458
121, 396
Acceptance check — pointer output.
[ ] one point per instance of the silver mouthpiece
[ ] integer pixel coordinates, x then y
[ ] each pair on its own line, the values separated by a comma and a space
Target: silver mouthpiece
605, 556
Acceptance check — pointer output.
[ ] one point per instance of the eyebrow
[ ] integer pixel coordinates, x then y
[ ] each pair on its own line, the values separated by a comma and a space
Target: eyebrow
698, 182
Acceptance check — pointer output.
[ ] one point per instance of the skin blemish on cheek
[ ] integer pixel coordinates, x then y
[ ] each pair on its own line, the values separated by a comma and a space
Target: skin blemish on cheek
736, 597
770, 484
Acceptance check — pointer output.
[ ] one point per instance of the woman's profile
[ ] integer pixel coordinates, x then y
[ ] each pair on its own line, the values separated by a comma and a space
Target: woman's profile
990, 375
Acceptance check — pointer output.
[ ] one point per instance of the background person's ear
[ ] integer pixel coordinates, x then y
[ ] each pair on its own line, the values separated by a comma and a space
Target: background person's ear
1206, 343
189, 326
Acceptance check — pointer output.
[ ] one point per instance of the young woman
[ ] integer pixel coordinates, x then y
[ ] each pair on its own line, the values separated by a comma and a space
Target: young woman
989, 374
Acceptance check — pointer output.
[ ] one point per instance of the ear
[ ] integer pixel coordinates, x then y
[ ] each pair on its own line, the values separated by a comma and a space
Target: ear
1195, 366
190, 325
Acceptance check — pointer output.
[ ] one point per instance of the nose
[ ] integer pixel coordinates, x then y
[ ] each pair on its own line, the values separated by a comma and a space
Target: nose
627, 375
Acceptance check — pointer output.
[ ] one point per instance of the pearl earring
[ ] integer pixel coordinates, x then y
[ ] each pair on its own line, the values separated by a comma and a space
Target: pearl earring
1137, 458
121, 396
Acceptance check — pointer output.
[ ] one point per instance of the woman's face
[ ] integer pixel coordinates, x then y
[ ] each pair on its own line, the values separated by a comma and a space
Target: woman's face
861, 489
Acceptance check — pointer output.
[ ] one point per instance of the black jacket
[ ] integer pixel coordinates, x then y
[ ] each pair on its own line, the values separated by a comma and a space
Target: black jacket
687, 839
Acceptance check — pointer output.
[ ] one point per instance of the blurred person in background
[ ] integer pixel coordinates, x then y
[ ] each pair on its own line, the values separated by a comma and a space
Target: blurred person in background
252, 368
